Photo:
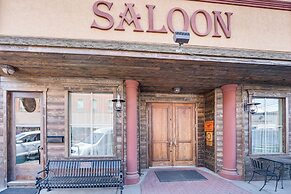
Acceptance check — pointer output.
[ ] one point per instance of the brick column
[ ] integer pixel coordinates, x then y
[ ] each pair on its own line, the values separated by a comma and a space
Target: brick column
132, 176
229, 170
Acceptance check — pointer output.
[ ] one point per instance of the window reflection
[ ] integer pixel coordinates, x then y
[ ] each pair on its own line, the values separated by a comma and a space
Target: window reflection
91, 131
27, 124
267, 126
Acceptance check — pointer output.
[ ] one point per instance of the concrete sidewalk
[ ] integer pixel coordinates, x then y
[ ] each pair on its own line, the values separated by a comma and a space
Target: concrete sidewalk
254, 187
135, 189
149, 184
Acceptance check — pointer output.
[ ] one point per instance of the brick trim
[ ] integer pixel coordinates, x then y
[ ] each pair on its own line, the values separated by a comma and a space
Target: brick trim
268, 4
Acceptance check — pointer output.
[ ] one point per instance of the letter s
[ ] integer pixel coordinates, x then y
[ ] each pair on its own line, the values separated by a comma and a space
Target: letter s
102, 14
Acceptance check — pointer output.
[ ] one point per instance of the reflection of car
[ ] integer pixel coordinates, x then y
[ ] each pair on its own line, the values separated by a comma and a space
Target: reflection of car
100, 143
27, 144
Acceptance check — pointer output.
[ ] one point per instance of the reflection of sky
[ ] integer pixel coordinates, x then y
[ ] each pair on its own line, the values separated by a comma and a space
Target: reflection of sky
267, 104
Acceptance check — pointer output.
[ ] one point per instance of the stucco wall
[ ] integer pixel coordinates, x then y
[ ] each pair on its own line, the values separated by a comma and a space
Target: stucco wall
252, 28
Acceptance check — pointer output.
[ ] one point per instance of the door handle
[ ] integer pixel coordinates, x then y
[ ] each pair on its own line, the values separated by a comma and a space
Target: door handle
38, 152
170, 146
175, 142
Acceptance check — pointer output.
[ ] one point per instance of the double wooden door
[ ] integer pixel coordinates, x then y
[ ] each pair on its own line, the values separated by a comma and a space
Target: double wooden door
171, 134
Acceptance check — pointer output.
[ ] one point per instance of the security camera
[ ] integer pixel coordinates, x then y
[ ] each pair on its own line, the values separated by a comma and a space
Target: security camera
181, 37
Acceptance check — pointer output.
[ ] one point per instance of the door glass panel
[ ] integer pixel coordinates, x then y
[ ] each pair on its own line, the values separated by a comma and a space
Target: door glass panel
27, 124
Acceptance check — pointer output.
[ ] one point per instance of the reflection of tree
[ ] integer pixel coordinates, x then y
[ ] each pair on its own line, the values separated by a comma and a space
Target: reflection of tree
26, 129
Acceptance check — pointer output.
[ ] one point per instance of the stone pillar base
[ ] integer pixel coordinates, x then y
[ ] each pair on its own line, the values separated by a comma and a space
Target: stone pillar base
230, 174
131, 178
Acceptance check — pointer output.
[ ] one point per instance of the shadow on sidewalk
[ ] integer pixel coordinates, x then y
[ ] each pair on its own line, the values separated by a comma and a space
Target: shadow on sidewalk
19, 191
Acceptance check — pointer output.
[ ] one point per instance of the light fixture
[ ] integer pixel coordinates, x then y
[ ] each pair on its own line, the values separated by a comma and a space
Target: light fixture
177, 90
8, 69
181, 37
118, 100
250, 106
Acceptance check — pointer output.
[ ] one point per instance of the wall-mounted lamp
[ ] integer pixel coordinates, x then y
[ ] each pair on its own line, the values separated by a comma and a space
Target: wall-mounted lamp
8, 69
118, 101
252, 107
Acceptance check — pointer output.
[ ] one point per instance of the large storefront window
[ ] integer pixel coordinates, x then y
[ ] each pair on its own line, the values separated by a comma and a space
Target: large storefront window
267, 126
91, 124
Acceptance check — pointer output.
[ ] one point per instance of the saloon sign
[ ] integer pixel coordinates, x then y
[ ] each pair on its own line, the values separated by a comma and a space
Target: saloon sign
129, 16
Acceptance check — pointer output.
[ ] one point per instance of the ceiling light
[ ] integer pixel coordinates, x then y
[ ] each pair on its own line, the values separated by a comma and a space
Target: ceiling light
8, 69
177, 90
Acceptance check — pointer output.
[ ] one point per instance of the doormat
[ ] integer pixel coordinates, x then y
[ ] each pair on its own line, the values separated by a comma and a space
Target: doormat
179, 175
19, 191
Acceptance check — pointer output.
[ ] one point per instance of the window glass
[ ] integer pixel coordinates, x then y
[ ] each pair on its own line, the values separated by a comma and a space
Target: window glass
80, 105
267, 126
27, 130
91, 131
94, 105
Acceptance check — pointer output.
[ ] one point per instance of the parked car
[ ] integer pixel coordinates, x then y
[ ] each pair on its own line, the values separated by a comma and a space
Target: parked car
27, 144
99, 144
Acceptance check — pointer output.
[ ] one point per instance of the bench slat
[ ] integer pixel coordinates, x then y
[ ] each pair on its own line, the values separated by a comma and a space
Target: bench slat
82, 174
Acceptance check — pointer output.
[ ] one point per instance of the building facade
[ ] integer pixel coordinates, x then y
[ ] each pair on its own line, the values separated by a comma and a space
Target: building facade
215, 102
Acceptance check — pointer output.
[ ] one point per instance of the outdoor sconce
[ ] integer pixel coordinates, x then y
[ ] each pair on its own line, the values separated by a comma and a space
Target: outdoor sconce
8, 69
118, 100
252, 107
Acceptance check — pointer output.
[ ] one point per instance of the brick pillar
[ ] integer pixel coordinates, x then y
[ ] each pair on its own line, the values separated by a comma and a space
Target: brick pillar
132, 176
229, 169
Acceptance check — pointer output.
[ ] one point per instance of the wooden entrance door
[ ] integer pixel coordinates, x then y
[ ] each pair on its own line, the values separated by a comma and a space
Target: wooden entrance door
25, 134
171, 134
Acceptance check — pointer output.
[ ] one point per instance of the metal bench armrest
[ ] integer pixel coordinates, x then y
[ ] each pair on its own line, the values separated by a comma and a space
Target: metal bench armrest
44, 170
38, 178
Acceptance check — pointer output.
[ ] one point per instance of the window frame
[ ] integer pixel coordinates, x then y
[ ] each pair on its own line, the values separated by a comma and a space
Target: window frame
68, 145
285, 124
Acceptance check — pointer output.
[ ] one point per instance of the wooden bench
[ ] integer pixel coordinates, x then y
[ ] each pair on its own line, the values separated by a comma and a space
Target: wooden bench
81, 174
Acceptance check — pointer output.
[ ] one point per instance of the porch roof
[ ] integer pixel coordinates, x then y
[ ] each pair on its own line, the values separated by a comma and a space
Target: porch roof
158, 68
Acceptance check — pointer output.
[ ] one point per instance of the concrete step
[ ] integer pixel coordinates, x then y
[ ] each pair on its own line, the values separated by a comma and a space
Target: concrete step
21, 184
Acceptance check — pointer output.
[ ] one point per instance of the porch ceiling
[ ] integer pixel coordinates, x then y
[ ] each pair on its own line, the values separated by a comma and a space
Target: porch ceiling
155, 74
